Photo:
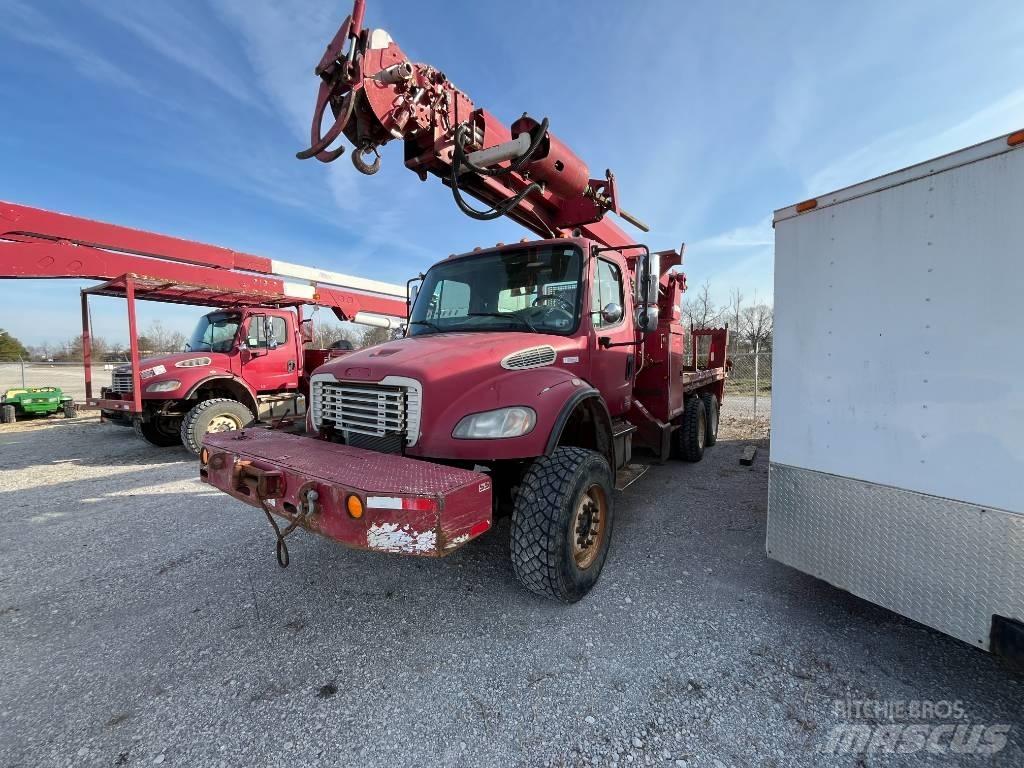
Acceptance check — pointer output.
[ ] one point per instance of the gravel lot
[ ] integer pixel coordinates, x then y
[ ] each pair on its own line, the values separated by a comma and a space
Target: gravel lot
143, 621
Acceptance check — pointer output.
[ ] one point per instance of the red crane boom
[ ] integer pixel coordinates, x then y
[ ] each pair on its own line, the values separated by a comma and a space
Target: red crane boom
377, 94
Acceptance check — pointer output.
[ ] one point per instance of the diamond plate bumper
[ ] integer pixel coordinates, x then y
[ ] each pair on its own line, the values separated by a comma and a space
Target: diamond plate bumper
410, 506
944, 563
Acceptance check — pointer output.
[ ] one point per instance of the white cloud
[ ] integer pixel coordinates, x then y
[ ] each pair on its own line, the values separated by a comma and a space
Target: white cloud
919, 143
28, 25
173, 34
749, 236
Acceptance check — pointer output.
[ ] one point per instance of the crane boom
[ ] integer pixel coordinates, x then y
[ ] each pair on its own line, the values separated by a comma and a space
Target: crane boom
36, 243
523, 171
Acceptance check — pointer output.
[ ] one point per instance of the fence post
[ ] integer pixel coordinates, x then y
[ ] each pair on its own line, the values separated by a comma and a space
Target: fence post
757, 360
22, 361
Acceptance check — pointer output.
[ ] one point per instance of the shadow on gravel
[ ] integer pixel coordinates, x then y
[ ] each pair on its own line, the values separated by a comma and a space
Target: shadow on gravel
41, 443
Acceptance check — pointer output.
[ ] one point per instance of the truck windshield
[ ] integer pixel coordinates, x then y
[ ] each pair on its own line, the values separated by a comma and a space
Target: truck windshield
214, 332
527, 289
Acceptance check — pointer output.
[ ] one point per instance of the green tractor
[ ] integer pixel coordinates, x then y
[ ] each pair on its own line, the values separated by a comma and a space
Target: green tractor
34, 401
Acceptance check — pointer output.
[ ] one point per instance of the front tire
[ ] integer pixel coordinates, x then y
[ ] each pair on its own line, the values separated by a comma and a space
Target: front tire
8, 415
220, 414
70, 411
562, 520
157, 432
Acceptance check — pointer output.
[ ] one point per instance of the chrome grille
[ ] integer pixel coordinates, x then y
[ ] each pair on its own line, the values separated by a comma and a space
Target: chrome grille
365, 409
121, 381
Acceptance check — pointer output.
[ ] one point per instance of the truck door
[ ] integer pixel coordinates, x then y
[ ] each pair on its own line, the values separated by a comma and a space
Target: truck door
612, 368
270, 358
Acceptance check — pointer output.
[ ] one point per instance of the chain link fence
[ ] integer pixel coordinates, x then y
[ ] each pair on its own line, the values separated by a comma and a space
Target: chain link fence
748, 393
69, 376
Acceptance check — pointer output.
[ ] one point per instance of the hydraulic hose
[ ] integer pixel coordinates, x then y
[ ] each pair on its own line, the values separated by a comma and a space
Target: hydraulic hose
517, 165
502, 208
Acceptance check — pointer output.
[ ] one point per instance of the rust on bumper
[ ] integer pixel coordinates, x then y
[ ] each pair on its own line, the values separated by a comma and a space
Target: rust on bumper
409, 506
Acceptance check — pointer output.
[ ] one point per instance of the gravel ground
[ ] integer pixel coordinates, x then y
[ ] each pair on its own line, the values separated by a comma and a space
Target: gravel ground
143, 621
741, 408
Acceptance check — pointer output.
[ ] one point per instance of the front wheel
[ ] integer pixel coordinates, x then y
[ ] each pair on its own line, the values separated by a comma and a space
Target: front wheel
70, 410
562, 520
8, 415
221, 414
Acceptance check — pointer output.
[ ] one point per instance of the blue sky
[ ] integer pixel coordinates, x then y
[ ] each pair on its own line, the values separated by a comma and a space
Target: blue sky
184, 118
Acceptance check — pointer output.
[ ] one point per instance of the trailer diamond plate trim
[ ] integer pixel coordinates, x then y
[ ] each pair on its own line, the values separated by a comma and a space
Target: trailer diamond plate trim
944, 563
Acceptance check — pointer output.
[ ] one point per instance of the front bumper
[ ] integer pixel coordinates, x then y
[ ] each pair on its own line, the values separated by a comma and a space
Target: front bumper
410, 506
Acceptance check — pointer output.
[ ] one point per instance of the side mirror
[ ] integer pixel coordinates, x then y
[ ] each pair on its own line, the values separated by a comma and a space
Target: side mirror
412, 290
611, 313
653, 278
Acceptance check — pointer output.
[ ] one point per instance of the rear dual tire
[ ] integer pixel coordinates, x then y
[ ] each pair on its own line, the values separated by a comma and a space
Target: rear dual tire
698, 429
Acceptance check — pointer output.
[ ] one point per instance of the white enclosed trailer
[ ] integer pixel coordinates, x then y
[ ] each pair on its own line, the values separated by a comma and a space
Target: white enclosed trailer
897, 451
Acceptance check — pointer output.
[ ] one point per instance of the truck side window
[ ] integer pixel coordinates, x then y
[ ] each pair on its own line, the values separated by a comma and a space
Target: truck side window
607, 290
258, 337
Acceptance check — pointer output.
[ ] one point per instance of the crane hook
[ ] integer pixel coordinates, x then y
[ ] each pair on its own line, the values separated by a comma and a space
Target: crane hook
365, 148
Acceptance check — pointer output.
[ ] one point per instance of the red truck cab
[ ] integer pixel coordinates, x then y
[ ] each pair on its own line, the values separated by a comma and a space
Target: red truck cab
238, 365
527, 375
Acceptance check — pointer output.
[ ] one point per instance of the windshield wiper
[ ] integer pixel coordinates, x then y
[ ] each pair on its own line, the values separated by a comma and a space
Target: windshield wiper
510, 315
428, 324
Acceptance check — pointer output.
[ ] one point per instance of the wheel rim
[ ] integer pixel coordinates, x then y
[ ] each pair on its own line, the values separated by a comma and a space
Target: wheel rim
589, 525
224, 423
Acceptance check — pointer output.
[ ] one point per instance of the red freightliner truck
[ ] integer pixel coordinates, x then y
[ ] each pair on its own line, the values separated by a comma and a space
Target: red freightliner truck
249, 359
528, 374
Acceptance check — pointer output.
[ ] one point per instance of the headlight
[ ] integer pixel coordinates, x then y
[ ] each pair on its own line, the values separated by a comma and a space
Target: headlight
504, 422
164, 386
193, 362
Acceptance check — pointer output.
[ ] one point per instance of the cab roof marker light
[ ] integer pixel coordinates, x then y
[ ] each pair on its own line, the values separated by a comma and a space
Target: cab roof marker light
806, 205
1015, 139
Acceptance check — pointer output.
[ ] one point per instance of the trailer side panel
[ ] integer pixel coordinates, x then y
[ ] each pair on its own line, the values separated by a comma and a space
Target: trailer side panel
897, 394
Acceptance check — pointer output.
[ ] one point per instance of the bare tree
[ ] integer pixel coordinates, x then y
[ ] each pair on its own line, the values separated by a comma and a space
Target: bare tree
373, 335
326, 334
71, 350
162, 339
700, 311
757, 325
734, 311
